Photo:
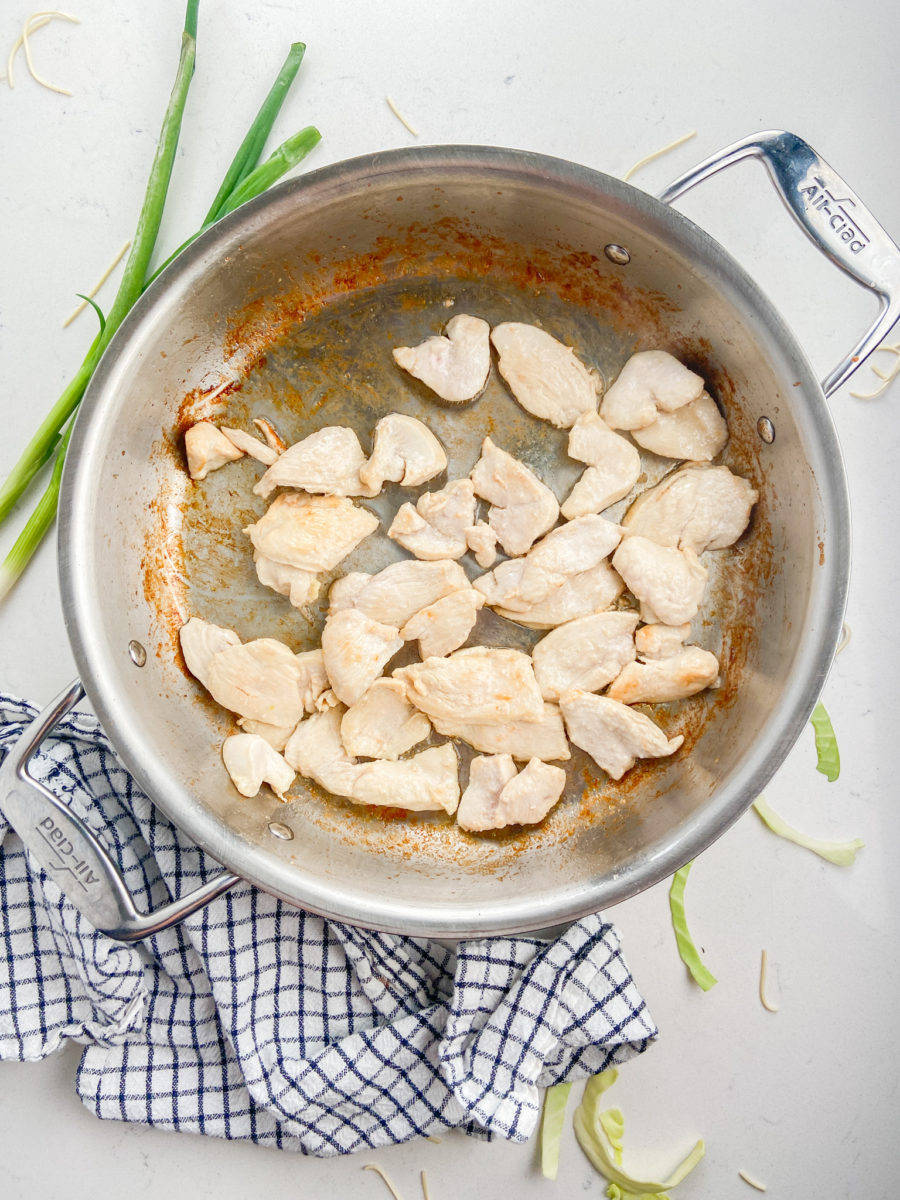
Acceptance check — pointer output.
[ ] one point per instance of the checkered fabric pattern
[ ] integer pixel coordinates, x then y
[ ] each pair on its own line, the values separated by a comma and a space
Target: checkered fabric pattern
254, 1019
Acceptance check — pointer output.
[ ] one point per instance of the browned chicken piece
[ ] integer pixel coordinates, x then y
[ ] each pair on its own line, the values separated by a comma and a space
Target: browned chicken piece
661, 641
427, 782
443, 626
545, 376
405, 452
650, 383
697, 508
436, 526
355, 650
200, 642
315, 750
312, 533
522, 508
248, 444
301, 587
275, 735
544, 739
696, 432
523, 798
264, 681
482, 541
383, 723
488, 775
662, 679
328, 462
586, 654
251, 762
480, 685
207, 449
456, 365
395, 594
613, 734
669, 583
613, 470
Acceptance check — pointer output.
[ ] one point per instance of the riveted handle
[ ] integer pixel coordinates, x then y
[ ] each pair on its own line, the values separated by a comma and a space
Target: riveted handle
833, 217
70, 852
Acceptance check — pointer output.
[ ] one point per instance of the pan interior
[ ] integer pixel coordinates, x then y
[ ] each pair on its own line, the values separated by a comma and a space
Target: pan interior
292, 315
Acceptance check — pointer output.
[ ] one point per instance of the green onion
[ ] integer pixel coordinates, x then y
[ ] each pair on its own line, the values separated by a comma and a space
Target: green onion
842, 854
828, 758
689, 953
38, 524
288, 154
552, 1119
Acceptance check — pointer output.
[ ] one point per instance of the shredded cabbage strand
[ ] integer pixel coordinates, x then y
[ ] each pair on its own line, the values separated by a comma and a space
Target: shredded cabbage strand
828, 758
552, 1120
841, 854
690, 955
599, 1134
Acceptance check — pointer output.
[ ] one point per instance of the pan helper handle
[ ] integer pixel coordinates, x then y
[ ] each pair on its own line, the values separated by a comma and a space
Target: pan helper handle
831, 215
70, 852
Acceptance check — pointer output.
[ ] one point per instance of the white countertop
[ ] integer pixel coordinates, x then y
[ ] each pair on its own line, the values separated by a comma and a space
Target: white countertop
806, 1099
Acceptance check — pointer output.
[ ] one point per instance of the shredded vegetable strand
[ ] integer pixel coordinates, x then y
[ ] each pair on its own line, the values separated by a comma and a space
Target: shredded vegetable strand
842, 854
38, 21
754, 1183
828, 758
649, 158
886, 379
88, 296
552, 1121
387, 1179
426, 1195
400, 117
689, 953
763, 966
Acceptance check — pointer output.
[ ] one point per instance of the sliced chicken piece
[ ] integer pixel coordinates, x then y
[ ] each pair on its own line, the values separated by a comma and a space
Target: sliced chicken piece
613, 734
356, 649
669, 582
262, 680
248, 444
443, 626
200, 642
271, 434
482, 541
522, 508
588, 592
586, 654
662, 679
436, 527
313, 533
328, 462
488, 775
393, 595
544, 375
651, 382
275, 735
454, 366
207, 449
480, 684
544, 739
427, 782
701, 508
696, 432
383, 723
405, 452
525, 799
315, 750
613, 470
251, 762
661, 641
301, 587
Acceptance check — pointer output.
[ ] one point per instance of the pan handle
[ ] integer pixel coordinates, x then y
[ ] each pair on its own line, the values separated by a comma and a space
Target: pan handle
831, 215
71, 853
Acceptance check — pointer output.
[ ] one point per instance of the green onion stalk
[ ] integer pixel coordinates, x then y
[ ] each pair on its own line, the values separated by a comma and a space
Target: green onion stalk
245, 179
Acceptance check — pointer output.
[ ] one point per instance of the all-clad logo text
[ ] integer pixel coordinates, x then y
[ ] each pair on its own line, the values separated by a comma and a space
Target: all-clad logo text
67, 859
836, 212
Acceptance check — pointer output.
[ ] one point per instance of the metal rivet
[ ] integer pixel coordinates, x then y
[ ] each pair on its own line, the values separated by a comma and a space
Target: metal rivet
281, 831
766, 430
617, 254
137, 653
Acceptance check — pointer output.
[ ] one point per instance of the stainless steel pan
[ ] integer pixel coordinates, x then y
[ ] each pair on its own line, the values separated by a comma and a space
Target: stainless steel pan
290, 308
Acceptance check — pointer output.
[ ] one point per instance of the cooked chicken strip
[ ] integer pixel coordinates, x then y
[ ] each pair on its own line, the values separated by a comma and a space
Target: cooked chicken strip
588, 592
522, 508
443, 626
661, 641
248, 444
436, 527
207, 449
669, 582
405, 452
355, 649
524, 800
327, 462
395, 594
383, 723
427, 782
701, 508
544, 375
264, 681
544, 739
275, 735
200, 642
273, 438
586, 654
251, 762
315, 750
613, 734
651, 382
488, 775
301, 587
454, 366
312, 533
696, 432
613, 470
479, 684
662, 679
482, 541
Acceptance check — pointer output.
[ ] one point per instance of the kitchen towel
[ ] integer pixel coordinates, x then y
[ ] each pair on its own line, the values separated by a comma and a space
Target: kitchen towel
254, 1019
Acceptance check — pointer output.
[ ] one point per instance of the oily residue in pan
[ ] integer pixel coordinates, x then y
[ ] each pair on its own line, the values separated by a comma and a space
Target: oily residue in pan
321, 355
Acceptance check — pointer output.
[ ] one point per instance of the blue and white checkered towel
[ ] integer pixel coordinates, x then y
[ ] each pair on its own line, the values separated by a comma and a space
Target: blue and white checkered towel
254, 1019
